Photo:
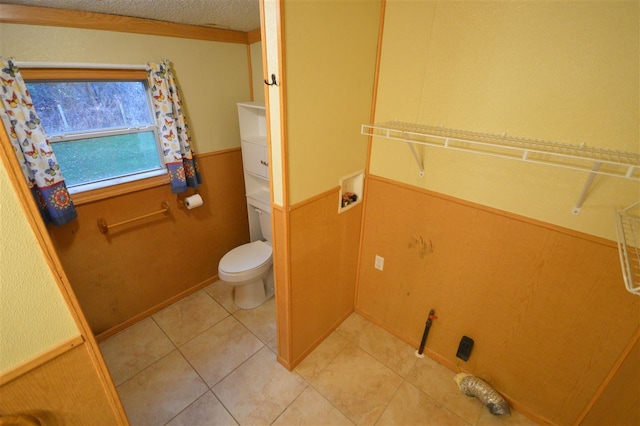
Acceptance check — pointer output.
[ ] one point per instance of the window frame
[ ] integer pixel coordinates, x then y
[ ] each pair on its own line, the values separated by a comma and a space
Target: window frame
94, 191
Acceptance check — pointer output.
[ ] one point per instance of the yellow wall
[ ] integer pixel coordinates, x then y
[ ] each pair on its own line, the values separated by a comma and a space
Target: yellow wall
330, 63
33, 315
256, 72
326, 79
213, 76
558, 71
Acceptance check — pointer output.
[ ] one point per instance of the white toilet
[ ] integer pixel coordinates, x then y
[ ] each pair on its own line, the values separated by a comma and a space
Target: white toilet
249, 267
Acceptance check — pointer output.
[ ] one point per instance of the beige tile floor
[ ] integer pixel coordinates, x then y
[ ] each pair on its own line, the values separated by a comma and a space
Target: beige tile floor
202, 361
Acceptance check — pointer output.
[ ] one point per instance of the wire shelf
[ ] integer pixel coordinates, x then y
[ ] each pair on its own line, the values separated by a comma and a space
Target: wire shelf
628, 233
577, 157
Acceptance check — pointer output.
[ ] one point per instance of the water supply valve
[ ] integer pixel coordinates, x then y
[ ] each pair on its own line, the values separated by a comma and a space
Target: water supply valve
430, 318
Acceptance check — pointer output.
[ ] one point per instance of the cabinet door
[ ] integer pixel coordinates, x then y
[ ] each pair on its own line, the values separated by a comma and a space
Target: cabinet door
254, 158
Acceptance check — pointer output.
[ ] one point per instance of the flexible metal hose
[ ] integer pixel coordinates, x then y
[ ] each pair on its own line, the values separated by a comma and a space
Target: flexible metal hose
473, 386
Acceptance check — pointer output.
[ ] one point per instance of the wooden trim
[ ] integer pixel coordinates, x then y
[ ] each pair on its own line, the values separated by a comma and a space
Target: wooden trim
315, 198
40, 359
98, 74
282, 256
249, 65
31, 15
285, 182
282, 272
32, 214
133, 320
376, 81
119, 189
451, 366
284, 362
138, 185
283, 105
254, 36
265, 90
82, 74
528, 220
220, 152
279, 208
614, 370
320, 339
374, 98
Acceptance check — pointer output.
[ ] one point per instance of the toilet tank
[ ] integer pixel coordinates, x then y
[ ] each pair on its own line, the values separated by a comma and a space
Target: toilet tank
265, 224
259, 218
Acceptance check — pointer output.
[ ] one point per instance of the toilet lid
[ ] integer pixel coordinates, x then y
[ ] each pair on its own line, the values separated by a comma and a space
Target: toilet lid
246, 257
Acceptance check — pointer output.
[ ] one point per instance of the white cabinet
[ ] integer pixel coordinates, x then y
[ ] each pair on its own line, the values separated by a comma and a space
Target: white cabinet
255, 160
253, 122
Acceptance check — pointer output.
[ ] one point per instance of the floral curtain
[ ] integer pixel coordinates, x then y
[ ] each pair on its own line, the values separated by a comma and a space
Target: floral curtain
31, 147
174, 131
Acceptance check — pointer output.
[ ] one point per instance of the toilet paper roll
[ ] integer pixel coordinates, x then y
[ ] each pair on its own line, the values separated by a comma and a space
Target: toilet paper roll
193, 201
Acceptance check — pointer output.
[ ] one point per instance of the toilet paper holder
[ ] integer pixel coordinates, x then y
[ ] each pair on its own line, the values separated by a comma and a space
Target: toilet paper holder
182, 203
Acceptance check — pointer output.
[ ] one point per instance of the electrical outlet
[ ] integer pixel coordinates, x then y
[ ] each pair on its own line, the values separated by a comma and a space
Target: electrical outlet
464, 350
379, 262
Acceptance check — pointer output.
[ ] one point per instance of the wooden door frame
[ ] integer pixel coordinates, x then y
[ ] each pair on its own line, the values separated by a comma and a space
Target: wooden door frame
32, 213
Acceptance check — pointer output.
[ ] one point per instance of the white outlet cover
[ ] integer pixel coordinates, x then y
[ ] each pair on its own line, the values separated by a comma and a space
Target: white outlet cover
379, 262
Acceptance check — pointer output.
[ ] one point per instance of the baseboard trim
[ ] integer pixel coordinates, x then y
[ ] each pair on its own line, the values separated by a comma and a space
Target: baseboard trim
319, 340
157, 308
453, 367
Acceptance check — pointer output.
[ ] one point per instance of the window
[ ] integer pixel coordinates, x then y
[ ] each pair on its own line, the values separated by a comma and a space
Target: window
100, 124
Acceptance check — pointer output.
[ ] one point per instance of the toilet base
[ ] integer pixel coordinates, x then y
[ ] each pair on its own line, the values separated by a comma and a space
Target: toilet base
249, 295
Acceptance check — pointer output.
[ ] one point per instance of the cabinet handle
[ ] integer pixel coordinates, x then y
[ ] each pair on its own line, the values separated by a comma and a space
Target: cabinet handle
264, 163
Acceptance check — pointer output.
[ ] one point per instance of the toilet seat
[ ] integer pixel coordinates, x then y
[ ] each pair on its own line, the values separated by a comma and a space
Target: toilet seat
245, 262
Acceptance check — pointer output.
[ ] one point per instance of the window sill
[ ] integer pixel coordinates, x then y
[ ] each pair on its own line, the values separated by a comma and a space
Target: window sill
86, 197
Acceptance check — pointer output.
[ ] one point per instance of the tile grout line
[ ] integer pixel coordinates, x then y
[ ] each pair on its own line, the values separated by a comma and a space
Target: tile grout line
154, 362
291, 403
390, 399
177, 347
332, 404
318, 390
209, 388
188, 406
349, 343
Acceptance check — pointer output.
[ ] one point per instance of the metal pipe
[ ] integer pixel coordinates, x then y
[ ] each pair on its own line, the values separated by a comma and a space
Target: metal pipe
427, 326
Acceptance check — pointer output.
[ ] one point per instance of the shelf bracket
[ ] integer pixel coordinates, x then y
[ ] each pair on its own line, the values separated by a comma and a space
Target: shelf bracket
415, 154
587, 185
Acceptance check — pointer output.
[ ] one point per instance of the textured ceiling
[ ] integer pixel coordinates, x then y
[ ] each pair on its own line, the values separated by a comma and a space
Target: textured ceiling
239, 15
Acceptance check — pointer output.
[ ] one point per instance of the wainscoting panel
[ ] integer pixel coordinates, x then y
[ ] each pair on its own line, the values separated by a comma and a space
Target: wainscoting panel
65, 390
136, 267
546, 306
324, 259
620, 402
282, 288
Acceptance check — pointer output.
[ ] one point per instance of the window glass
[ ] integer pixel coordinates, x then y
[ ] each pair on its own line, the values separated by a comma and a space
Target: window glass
96, 159
100, 131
